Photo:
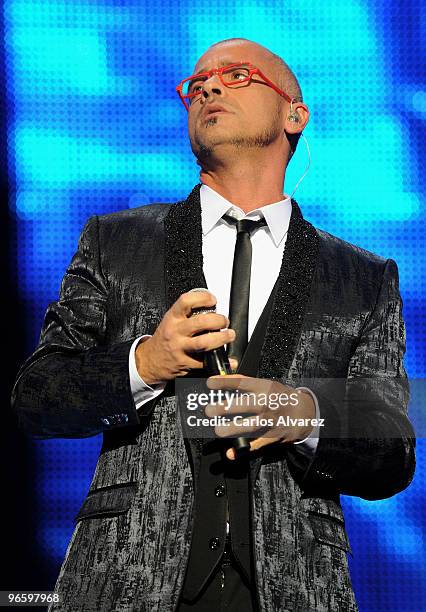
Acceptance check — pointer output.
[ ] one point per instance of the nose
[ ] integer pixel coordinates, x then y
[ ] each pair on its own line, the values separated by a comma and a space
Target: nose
211, 86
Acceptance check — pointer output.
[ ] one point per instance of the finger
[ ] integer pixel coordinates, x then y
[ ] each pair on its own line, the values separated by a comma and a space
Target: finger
209, 341
264, 441
255, 445
204, 323
231, 454
192, 299
234, 364
233, 381
235, 431
243, 405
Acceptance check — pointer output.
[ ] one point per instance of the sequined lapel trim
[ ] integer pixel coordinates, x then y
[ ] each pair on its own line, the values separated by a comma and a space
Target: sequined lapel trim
294, 286
184, 248
183, 263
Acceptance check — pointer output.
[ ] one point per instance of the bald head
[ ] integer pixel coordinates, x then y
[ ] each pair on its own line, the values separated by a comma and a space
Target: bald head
257, 117
284, 77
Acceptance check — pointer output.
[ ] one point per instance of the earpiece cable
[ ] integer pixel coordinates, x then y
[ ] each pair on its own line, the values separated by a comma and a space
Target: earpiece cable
307, 167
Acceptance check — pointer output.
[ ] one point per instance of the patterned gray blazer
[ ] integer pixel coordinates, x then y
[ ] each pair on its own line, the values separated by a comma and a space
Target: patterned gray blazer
335, 325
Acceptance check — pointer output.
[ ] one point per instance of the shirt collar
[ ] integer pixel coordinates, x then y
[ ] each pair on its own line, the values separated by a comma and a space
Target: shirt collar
214, 206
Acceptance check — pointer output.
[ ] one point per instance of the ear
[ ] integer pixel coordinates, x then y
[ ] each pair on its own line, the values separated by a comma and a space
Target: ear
302, 111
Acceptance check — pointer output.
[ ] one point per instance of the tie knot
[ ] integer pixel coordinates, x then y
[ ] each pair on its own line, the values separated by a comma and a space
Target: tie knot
245, 225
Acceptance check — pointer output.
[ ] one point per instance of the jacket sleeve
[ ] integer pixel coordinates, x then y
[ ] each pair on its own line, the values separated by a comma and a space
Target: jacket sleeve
74, 384
366, 446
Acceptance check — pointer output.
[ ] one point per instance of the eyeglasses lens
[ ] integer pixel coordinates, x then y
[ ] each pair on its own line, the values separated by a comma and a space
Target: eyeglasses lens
232, 77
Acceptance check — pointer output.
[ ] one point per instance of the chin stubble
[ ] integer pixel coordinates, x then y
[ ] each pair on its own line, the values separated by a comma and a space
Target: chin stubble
258, 141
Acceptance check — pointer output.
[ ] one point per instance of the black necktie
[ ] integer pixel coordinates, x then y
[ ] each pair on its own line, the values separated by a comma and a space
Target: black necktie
240, 285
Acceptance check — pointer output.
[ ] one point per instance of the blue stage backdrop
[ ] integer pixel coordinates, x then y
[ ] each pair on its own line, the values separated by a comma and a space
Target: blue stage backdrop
95, 126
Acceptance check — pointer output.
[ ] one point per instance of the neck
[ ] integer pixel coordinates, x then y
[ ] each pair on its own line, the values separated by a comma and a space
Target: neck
248, 181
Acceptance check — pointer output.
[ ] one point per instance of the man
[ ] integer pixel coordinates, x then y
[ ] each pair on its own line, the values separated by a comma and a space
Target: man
172, 522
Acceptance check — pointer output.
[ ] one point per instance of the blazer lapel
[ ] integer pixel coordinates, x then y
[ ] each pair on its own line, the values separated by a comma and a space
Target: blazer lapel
291, 298
183, 271
184, 247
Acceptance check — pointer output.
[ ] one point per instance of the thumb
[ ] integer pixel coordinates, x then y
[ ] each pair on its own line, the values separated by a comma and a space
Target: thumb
234, 364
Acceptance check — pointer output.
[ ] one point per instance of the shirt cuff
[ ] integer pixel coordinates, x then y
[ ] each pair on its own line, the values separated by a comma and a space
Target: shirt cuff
309, 445
141, 391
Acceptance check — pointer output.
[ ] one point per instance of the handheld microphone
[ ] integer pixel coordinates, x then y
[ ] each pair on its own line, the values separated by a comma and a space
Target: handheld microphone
216, 363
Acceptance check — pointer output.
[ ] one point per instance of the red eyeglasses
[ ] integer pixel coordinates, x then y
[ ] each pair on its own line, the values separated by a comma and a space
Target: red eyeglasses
231, 75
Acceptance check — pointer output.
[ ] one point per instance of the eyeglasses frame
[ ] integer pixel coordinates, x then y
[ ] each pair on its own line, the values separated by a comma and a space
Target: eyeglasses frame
219, 71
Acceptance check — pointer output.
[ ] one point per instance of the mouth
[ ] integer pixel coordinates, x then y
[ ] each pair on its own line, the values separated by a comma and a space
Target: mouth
213, 111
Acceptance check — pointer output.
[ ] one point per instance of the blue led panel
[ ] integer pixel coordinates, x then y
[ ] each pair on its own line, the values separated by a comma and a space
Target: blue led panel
95, 126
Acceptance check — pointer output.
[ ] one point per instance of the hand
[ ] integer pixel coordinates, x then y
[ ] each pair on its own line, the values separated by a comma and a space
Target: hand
268, 401
173, 350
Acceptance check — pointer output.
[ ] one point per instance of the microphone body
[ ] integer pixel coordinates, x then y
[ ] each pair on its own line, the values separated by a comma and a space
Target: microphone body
216, 363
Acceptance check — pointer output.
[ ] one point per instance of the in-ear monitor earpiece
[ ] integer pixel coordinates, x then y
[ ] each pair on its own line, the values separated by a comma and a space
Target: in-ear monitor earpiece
294, 116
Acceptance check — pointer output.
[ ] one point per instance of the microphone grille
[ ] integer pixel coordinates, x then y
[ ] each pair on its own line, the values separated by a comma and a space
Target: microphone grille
202, 309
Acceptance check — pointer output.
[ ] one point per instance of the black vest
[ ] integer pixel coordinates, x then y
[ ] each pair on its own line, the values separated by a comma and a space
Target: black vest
221, 483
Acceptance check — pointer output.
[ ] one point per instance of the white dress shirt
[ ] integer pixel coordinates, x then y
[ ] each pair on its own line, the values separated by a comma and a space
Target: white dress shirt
219, 238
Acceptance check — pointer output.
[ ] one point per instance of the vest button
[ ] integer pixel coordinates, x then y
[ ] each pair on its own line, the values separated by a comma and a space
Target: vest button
214, 543
219, 490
